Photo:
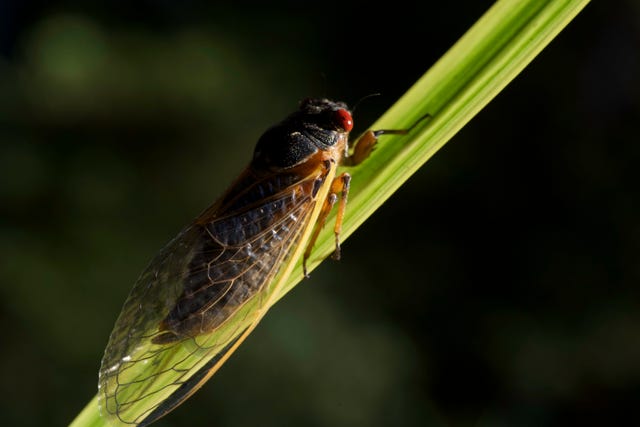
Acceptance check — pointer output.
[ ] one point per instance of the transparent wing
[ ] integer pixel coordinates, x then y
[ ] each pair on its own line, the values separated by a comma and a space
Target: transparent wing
193, 304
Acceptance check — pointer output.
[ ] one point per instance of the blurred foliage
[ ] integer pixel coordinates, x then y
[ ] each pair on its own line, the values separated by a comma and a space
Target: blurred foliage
119, 122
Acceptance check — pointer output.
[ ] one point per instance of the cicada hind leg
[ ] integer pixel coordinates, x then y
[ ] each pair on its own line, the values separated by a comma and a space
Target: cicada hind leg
340, 185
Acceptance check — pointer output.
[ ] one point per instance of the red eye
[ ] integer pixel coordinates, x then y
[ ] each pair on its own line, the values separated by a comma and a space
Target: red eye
344, 120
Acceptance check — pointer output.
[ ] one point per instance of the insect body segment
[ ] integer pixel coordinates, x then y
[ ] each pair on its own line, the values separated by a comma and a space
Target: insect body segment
209, 287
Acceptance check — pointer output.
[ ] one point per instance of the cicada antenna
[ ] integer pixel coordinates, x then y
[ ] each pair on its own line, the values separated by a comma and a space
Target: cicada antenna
371, 95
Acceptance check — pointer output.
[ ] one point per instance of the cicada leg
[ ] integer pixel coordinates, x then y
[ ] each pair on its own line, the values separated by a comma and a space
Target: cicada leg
361, 150
367, 142
340, 185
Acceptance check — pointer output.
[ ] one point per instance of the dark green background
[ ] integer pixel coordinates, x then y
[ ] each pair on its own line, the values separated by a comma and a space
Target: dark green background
498, 287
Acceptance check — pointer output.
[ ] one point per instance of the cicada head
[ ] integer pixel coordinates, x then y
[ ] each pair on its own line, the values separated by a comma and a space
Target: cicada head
318, 125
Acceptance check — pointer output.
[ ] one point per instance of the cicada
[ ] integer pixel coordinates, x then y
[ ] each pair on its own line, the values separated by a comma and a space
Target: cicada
207, 289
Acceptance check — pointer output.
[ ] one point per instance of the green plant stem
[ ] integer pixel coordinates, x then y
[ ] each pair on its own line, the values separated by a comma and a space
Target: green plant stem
489, 56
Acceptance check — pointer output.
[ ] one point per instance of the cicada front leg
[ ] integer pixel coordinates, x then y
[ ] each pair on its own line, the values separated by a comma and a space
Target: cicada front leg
367, 142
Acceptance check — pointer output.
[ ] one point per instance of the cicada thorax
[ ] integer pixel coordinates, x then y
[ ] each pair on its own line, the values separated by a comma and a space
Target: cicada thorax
247, 234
